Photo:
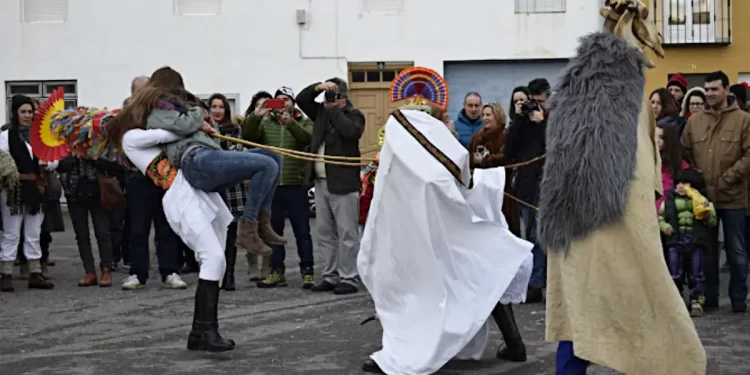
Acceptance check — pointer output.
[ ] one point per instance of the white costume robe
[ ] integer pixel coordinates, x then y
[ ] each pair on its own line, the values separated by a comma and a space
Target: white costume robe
436, 256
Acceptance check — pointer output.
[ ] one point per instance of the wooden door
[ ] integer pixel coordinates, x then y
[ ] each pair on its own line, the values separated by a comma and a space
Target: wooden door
370, 102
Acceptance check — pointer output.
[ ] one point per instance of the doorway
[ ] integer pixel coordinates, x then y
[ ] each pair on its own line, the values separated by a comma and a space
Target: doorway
369, 91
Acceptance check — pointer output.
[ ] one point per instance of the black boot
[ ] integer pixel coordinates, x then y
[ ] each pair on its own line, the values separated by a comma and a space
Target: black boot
205, 333
6, 283
371, 367
231, 254
514, 349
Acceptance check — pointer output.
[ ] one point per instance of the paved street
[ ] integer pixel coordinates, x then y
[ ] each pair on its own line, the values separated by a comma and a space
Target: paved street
81, 331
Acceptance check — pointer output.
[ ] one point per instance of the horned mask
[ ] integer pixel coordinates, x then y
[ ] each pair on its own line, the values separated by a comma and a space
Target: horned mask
631, 22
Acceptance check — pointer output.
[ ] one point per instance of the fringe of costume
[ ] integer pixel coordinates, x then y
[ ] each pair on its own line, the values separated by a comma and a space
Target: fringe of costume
591, 140
10, 182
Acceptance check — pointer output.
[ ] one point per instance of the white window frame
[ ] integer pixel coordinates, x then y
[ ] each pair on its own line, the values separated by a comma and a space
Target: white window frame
179, 4
49, 6
688, 32
41, 93
383, 6
234, 102
540, 6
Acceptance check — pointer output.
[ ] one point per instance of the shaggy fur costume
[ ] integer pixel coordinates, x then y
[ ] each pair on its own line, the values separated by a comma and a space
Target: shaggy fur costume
10, 182
591, 140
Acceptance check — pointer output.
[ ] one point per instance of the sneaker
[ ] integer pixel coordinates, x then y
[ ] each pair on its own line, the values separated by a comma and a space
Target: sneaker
132, 283
345, 288
696, 309
276, 278
174, 281
308, 281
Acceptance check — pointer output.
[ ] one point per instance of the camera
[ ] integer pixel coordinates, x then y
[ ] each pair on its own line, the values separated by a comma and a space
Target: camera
530, 106
332, 97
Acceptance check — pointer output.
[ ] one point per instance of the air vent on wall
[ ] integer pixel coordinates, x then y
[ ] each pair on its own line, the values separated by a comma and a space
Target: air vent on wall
197, 7
383, 6
35, 11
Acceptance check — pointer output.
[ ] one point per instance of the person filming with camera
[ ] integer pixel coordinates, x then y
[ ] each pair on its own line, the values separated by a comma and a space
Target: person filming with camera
337, 128
526, 141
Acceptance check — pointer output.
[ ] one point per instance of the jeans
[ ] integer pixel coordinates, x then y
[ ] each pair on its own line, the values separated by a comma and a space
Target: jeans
144, 208
733, 222
215, 170
566, 362
291, 202
539, 270
116, 229
686, 253
79, 215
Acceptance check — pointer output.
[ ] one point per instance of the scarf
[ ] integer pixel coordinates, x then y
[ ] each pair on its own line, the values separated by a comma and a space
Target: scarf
31, 198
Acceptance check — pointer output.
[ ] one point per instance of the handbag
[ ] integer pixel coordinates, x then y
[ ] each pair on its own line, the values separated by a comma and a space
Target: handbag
112, 195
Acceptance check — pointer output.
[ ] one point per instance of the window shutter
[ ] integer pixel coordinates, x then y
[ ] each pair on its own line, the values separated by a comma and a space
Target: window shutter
383, 6
197, 7
45, 11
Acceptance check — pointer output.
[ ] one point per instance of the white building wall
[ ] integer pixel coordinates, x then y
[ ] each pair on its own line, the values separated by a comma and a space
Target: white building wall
257, 44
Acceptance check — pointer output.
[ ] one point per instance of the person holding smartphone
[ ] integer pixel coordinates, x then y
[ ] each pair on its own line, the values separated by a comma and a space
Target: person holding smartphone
277, 122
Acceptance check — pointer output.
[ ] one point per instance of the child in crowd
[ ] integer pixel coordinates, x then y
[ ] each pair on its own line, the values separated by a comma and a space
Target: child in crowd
670, 149
685, 219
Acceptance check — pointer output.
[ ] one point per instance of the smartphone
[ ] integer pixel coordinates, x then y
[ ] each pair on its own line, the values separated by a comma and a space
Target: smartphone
275, 104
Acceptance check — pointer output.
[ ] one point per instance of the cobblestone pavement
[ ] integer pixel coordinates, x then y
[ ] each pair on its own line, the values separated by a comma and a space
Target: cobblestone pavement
80, 331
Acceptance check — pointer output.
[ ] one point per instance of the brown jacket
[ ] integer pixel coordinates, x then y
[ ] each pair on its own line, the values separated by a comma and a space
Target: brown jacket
493, 140
719, 145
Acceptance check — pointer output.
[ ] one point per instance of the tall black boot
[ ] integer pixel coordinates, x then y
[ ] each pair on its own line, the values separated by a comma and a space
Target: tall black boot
514, 349
231, 255
205, 333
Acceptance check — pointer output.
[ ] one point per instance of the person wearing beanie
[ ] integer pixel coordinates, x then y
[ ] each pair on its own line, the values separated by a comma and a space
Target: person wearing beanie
678, 87
740, 93
290, 129
28, 208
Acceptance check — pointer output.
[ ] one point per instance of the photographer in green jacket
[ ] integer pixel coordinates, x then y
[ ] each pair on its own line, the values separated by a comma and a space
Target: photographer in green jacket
287, 128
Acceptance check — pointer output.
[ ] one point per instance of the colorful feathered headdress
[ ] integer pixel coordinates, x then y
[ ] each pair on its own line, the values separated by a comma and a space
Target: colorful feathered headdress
81, 131
420, 85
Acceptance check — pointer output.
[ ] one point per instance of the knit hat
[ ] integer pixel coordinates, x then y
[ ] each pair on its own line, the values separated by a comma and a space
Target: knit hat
678, 80
285, 91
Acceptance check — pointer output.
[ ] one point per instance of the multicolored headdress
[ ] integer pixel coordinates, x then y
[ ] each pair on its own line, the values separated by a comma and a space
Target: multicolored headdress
420, 85
81, 131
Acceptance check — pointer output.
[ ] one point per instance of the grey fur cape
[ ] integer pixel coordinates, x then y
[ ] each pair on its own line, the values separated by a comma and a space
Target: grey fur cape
591, 140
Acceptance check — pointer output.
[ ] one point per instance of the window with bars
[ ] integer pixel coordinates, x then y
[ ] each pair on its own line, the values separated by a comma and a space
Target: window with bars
383, 6
694, 21
40, 90
197, 7
540, 6
39, 11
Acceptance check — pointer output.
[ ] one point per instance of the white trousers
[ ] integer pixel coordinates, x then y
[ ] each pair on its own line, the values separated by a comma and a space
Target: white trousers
12, 233
209, 252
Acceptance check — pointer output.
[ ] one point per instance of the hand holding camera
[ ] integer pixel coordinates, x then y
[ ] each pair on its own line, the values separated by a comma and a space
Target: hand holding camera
532, 110
261, 110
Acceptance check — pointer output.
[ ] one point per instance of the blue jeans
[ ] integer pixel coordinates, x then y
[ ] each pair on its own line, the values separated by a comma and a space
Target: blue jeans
539, 271
215, 170
291, 202
734, 243
566, 362
144, 208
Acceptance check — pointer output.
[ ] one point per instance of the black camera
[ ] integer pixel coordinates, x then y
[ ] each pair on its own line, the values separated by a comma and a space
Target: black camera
530, 106
332, 97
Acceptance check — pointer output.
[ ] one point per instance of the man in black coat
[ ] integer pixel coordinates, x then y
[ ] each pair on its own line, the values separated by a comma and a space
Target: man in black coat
337, 130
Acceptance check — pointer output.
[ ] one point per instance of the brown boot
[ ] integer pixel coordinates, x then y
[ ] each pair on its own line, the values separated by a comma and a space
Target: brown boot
37, 281
248, 239
88, 280
266, 232
106, 280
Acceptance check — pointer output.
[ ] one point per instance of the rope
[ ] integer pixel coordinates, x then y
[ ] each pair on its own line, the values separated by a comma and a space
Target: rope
351, 161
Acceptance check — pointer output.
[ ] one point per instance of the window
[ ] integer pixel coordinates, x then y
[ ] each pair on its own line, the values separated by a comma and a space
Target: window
40, 90
38, 11
233, 100
540, 6
360, 76
695, 21
197, 7
383, 6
